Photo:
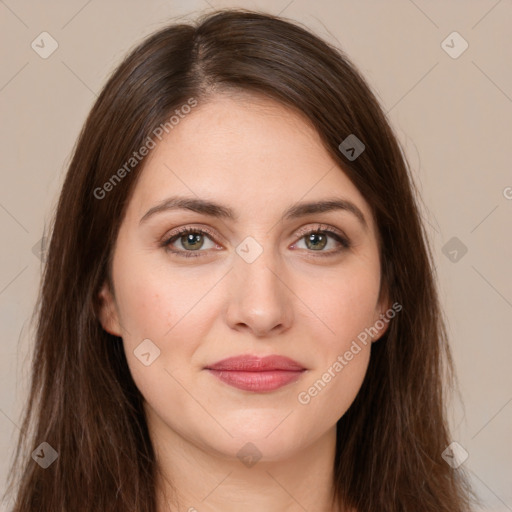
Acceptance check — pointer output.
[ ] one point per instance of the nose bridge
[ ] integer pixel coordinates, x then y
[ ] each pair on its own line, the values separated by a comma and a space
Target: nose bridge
259, 297
257, 264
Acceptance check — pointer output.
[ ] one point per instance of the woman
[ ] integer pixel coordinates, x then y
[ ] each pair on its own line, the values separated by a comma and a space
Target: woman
239, 307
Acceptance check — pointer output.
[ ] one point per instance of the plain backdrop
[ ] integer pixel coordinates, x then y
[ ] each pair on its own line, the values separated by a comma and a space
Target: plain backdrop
450, 106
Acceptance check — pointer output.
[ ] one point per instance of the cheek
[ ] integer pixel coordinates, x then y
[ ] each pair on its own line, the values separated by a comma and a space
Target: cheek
153, 309
144, 306
330, 392
153, 298
346, 304
172, 310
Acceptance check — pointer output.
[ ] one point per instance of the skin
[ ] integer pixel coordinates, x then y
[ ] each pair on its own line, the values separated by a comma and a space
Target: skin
257, 157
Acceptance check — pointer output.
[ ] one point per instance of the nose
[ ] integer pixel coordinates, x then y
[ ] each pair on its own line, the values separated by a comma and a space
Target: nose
260, 301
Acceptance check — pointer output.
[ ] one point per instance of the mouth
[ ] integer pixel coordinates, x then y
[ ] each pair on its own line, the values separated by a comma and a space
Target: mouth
259, 374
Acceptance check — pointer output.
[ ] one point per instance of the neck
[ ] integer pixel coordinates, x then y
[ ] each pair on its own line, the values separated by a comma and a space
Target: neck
196, 479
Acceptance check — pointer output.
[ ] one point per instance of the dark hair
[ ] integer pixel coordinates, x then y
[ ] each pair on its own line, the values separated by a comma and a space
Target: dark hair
83, 400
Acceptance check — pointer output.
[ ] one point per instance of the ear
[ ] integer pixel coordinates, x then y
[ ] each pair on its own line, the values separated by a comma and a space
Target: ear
381, 320
107, 311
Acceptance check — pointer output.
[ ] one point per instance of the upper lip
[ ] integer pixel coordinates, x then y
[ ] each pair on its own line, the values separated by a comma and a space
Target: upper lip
252, 363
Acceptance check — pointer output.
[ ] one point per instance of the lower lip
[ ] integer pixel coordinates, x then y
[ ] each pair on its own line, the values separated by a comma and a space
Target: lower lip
257, 381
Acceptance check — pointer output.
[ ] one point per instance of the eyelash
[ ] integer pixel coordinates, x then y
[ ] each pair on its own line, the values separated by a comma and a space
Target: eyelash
344, 242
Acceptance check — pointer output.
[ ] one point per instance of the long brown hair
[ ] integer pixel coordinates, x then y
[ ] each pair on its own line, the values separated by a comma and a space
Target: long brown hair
83, 401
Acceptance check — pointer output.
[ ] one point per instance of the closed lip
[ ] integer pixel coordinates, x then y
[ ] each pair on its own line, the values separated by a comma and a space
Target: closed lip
252, 363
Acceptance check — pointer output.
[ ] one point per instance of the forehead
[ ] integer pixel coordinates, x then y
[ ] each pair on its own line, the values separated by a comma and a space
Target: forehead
246, 151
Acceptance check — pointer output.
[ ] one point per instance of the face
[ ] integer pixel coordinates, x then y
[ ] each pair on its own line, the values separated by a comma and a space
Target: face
256, 282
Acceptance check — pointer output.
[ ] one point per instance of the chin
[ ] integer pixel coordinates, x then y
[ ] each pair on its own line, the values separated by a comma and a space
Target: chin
266, 440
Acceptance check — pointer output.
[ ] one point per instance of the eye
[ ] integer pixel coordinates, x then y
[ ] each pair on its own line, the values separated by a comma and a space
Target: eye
192, 241
317, 239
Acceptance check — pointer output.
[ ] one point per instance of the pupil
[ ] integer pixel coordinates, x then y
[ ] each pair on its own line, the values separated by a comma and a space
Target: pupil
322, 242
192, 239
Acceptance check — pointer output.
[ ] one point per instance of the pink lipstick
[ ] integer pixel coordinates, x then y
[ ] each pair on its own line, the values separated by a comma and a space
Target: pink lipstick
253, 373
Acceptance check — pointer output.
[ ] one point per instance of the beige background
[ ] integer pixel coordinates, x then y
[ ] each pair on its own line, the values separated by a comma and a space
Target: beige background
452, 115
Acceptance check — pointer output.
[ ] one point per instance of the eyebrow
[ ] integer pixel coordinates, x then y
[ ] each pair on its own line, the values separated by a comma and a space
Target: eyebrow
213, 209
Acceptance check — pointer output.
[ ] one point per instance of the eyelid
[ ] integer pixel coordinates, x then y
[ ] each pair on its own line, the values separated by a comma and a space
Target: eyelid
300, 232
320, 227
189, 227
